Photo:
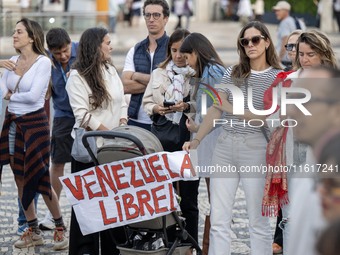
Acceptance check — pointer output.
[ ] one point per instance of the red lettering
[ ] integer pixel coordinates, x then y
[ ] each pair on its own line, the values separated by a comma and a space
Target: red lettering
88, 185
144, 198
172, 197
134, 182
117, 177
128, 204
166, 164
156, 199
155, 168
119, 209
106, 220
77, 191
149, 178
107, 178
186, 164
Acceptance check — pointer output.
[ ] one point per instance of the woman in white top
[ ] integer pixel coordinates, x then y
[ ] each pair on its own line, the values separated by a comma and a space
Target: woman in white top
25, 137
240, 146
94, 87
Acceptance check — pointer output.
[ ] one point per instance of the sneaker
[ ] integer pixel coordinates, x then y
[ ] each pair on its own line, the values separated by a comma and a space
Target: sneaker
28, 239
47, 223
60, 240
21, 229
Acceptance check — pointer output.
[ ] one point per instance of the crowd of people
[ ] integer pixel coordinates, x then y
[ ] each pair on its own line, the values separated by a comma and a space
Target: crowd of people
162, 89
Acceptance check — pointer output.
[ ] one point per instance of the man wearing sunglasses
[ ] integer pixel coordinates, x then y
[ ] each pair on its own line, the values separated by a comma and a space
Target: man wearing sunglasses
143, 58
287, 25
306, 219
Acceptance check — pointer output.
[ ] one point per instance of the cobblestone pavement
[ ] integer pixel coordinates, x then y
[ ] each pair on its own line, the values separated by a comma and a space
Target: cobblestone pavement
9, 212
223, 36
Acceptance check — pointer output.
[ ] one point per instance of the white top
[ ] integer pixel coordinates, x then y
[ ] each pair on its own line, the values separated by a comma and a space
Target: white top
30, 95
129, 65
79, 92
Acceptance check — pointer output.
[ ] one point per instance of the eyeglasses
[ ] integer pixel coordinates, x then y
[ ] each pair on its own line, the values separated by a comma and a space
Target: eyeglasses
155, 15
255, 40
290, 46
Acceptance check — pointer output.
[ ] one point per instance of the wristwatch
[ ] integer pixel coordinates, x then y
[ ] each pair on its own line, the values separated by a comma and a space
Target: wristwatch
188, 108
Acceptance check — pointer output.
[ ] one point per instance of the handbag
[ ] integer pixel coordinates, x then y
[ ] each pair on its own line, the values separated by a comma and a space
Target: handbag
79, 152
168, 133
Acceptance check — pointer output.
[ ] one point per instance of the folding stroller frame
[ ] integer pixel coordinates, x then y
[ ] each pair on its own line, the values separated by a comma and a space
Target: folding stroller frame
182, 240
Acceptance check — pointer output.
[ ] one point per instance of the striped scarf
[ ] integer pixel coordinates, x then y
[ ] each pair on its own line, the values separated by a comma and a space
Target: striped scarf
31, 154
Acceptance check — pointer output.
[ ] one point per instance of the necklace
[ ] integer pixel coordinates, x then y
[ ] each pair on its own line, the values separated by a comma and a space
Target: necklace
23, 66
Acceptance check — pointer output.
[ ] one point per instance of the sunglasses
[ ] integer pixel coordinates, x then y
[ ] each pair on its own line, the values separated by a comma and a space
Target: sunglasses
290, 46
255, 40
155, 15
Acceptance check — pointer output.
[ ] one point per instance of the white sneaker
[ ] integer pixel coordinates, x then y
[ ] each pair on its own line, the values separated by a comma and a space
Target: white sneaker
28, 239
47, 223
60, 240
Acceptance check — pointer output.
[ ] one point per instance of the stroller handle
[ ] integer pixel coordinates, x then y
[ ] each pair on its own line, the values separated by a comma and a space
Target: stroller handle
110, 135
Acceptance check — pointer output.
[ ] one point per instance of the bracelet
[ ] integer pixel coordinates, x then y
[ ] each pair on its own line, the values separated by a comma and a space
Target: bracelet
196, 140
132, 75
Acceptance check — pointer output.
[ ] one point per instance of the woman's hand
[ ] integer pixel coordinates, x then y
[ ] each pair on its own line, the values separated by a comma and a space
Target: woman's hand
161, 110
123, 122
8, 64
179, 107
191, 125
191, 145
8, 95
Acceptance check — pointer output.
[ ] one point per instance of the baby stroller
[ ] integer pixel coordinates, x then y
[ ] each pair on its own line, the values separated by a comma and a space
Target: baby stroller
160, 236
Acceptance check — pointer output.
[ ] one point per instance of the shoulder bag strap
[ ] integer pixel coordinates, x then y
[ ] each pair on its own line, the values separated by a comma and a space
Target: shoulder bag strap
263, 130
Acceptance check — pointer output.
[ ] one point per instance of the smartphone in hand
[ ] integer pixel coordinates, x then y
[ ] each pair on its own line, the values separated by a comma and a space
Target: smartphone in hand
168, 103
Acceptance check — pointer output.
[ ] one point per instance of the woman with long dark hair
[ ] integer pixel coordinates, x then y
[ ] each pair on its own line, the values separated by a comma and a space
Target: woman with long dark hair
96, 92
201, 55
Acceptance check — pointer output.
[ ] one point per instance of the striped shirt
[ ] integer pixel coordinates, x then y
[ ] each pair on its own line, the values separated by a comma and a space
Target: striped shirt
259, 82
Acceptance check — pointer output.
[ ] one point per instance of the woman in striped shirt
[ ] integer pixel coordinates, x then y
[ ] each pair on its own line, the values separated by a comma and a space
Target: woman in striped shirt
241, 146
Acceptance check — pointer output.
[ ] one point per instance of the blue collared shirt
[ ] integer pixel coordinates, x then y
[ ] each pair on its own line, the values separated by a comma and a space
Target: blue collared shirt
61, 104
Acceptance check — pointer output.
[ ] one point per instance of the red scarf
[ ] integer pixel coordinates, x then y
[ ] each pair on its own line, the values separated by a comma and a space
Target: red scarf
276, 186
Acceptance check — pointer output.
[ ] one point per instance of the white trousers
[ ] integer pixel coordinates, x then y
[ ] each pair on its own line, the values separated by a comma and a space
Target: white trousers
238, 151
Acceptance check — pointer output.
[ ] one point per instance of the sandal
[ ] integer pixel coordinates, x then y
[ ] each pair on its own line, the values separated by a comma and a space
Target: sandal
277, 249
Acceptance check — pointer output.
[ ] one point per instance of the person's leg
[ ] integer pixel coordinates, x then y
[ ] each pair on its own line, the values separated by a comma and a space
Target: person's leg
80, 244
278, 235
112, 24
179, 23
109, 238
61, 145
22, 222
252, 153
259, 226
32, 235
189, 206
206, 241
223, 191
337, 15
56, 171
222, 195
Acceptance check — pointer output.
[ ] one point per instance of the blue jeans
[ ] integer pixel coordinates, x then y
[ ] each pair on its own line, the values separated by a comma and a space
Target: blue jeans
22, 218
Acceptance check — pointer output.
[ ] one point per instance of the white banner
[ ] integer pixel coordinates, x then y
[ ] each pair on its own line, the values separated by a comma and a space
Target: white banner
126, 191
